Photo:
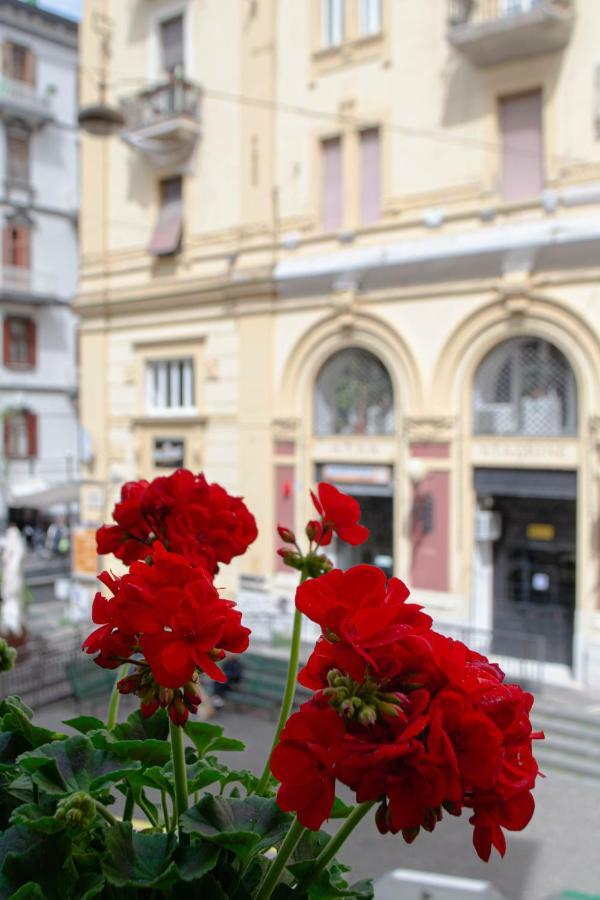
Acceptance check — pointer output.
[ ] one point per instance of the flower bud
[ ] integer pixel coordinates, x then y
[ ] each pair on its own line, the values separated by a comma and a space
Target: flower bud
388, 709
178, 712
382, 818
165, 696
313, 529
76, 811
287, 536
130, 684
7, 656
149, 707
192, 694
367, 715
409, 834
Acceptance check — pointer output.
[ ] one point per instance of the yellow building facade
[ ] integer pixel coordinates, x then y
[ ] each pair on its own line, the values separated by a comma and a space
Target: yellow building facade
359, 240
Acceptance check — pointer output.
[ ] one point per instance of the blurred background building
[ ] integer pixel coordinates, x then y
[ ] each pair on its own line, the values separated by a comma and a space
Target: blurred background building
359, 241
39, 200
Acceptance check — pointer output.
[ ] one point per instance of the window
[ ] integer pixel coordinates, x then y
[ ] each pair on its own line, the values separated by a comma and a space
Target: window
522, 162
16, 246
370, 175
354, 395
331, 184
369, 17
170, 384
20, 434
525, 386
19, 342
166, 238
18, 63
332, 22
171, 41
17, 156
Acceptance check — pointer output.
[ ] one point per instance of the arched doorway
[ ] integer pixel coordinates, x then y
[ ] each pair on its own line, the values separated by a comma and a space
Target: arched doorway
525, 390
354, 401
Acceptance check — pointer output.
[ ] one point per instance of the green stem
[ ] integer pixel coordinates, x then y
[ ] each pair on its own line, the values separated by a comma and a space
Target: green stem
179, 771
288, 695
333, 844
105, 813
165, 809
275, 870
115, 699
129, 804
146, 808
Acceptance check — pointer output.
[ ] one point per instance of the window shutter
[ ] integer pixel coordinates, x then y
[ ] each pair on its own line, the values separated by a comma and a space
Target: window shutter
6, 245
370, 176
6, 54
31, 342
21, 251
30, 72
32, 435
6, 434
522, 173
331, 184
6, 341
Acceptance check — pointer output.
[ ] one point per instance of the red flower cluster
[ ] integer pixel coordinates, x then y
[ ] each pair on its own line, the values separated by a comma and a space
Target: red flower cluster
198, 520
171, 613
403, 716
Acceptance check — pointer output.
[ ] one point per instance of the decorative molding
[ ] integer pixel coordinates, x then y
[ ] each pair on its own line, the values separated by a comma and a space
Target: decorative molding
426, 429
285, 429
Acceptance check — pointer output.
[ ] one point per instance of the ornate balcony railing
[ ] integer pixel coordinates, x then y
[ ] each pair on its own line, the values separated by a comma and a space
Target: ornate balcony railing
19, 98
31, 285
492, 31
164, 121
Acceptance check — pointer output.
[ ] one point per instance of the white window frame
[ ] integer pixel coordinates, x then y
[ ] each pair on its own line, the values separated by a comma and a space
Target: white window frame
332, 23
155, 71
167, 379
370, 17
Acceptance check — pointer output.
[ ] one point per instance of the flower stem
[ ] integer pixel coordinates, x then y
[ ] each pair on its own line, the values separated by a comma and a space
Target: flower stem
129, 804
105, 813
165, 810
179, 771
115, 699
333, 845
275, 870
288, 695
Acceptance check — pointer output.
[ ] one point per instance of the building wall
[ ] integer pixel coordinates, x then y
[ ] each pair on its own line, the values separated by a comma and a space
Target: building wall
262, 296
49, 389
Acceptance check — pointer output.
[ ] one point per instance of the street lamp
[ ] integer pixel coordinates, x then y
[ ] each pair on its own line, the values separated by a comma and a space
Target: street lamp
422, 505
101, 119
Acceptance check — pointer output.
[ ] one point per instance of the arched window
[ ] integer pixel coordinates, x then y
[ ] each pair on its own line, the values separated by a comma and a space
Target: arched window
354, 395
525, 386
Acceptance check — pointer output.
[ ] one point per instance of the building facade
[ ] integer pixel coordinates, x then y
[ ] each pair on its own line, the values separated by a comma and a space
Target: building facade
39, 162
358, 240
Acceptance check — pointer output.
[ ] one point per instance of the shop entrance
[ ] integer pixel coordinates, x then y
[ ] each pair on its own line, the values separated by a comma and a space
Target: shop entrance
534, 560
372, 486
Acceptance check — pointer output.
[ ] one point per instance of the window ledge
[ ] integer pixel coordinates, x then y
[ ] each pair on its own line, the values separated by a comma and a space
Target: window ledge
170, 417
363, 48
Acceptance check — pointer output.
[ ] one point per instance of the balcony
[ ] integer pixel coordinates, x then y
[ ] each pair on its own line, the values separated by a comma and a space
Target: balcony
164, 122
494, 31
21, 100
20, 284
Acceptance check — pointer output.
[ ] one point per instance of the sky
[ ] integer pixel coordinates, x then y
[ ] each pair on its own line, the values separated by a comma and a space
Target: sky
71, 8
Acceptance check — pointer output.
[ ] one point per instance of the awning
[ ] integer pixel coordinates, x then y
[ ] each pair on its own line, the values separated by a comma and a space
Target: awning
535, 483
40, 495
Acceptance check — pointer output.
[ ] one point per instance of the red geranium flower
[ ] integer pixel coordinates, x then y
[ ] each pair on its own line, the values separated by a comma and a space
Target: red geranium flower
302, 762
339, 514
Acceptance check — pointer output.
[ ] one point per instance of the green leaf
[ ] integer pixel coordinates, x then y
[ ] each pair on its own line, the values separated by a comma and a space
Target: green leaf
332, 883
11, 703
32, 815
85, 724
197, 861
229, 744
245, 826
137, 728
15, 718
201, 774
29, 891
208, 737
150, 751
139, 860
74, 765
23, 852
207, 888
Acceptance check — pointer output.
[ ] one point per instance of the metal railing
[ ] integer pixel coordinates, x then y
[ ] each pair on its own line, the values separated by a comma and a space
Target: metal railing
40, 674
477, 11
21, 280
24, 95
161, 103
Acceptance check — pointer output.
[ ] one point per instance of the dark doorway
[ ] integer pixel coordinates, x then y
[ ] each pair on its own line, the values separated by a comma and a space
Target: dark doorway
372, 486
534, 575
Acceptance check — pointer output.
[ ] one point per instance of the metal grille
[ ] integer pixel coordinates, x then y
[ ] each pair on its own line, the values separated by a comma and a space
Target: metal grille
525, 386
354, 395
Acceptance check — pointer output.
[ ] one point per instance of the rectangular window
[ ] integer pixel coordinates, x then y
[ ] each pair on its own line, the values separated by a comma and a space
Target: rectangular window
332, 22
522, 151
166, 238
20, 434
369, 17
19, 342
170, 384
331, 184
18, 63
370, 175
17, 156
171, 41
16, 246
169, 453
